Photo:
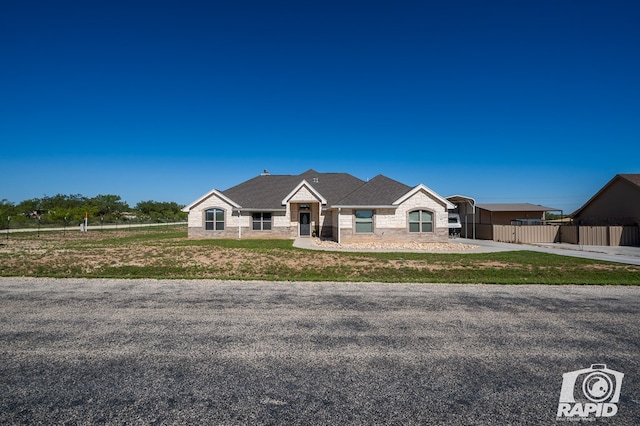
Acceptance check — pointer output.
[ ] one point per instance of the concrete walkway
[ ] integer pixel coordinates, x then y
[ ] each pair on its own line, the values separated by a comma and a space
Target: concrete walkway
620, 254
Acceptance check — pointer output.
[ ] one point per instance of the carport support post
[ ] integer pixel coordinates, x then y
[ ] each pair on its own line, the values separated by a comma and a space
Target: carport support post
473, 206
239, 225
466, 229
474, 221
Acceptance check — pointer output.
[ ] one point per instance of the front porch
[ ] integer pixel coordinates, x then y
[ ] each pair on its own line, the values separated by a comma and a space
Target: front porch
306, 218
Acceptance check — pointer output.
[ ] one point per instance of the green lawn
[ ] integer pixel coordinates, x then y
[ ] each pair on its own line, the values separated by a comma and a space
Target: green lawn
168, 253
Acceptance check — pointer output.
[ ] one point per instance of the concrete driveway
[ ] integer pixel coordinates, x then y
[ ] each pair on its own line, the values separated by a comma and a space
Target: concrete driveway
207, 352
620, 254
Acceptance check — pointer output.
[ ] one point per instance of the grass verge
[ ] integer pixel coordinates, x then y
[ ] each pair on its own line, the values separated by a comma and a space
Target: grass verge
168, 253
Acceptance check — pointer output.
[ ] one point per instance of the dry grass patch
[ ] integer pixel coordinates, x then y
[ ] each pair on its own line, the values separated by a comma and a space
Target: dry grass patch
168, 253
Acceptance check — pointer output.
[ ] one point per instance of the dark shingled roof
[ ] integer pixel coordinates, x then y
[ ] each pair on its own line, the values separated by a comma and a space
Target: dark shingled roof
266, 192
379, 191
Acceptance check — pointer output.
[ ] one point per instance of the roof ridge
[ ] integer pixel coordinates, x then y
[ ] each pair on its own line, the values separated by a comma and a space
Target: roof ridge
633, 178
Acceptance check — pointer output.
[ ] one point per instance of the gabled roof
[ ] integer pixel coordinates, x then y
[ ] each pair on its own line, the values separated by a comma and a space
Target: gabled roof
207, 195
266, 191
379, 191
633, 179
301, 185
332, 186
448, 204
514, 207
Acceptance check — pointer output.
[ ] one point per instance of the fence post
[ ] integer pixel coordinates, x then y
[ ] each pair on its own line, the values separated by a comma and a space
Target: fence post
560, 233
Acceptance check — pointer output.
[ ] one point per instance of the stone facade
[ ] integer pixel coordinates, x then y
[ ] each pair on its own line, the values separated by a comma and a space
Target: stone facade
196, 219
392, 225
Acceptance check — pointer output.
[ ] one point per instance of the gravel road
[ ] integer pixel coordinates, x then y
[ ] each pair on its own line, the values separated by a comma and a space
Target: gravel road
207, 352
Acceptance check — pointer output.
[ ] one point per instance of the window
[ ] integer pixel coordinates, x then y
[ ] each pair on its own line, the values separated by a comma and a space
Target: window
420, 221
214, 220
364, 220
262, 221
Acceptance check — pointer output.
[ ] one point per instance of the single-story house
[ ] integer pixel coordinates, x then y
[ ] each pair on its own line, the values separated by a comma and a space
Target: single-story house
335, 206
617, 203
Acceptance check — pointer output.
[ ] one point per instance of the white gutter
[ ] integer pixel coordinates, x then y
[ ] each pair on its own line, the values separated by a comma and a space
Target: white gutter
363, 207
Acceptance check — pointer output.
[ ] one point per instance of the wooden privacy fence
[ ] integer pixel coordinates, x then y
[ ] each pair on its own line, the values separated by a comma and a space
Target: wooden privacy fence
572, 234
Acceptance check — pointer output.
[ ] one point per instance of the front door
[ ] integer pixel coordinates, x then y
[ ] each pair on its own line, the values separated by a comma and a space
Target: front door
305, 224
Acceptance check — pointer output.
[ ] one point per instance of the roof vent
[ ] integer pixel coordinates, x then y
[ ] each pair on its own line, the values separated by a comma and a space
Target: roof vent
265, 172
315, 180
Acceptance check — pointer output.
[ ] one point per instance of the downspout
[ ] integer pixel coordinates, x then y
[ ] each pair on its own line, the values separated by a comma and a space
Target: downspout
239, 225
339, 209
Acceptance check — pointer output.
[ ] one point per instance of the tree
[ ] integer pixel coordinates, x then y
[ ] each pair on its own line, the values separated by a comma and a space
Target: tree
161, 210
107, 205
7, 210
67, 209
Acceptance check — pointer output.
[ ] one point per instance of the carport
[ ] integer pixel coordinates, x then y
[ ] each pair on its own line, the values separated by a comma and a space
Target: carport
466, 207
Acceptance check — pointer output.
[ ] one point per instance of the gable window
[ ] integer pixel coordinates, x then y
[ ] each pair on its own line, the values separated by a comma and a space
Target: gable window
364, 220
420, 221
214, 220
262, 221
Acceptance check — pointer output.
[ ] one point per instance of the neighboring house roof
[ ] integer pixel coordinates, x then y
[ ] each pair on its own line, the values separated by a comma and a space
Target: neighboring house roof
514, 207
633, 179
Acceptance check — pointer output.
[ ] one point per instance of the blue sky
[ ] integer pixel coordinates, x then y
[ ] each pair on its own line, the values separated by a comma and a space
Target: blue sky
503, 101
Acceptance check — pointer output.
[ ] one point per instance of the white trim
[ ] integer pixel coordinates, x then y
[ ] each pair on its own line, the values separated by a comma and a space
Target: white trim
259, 210
297, 188
209, 194
448, 204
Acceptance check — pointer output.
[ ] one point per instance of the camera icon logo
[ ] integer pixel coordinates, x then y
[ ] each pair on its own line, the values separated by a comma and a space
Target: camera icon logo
593, 391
